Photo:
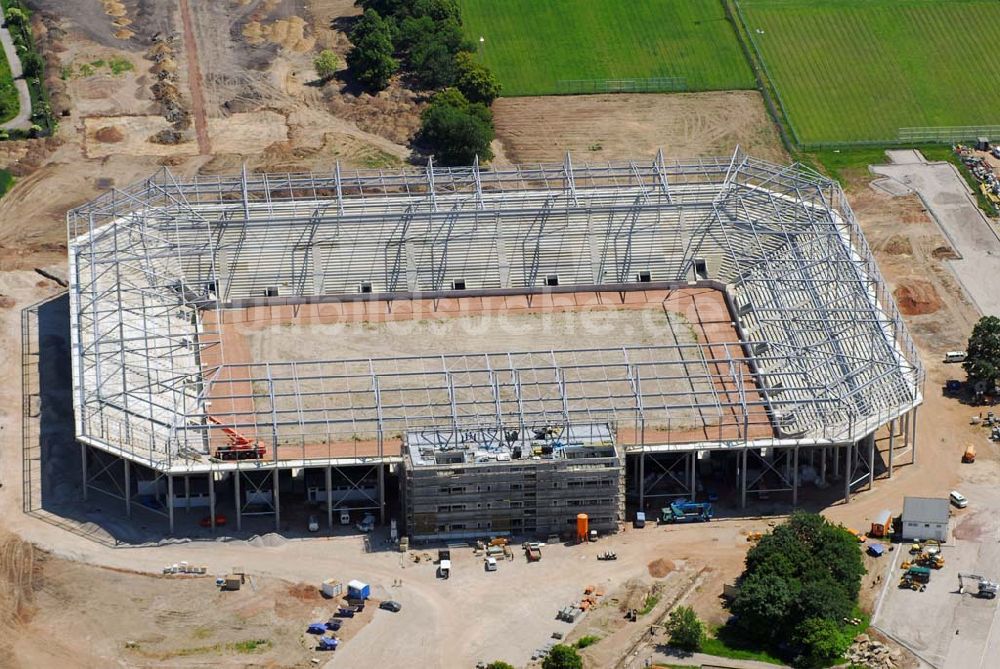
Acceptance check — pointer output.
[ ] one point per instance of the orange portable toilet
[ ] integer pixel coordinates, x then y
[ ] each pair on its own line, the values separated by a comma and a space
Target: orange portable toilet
582, 526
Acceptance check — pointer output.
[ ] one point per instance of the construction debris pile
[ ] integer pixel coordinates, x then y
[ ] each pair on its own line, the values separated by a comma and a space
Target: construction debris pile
166, 92
866, 652
989, 183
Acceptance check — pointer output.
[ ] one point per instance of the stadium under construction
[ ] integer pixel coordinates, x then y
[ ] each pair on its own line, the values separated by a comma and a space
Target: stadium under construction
482, 351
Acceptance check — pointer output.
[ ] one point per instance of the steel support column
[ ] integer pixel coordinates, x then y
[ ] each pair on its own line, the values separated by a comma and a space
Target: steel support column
170, 501
128, 487
822, 465
913, 457
906, 430
275, 476
836, 464
236, 498
83, 461
847, 472
328, 472
689, 474
187, 493
381, 494
743, 481
892, 443
211, 499
871, 462
642, 480
795, 478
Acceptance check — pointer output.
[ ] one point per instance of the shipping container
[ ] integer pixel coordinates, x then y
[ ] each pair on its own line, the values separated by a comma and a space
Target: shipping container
332, 588
358, 590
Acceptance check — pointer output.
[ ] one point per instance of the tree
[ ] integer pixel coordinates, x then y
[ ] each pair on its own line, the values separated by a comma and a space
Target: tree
32, 65
16, 17
806, 569
821, 641
370, 59
476, 81
983, 361
326, 64
562, 657
456, 130
762, 604
685, 630
499, 664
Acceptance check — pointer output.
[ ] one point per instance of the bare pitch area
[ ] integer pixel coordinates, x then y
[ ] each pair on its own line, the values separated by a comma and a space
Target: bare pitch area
409, 334
598, 128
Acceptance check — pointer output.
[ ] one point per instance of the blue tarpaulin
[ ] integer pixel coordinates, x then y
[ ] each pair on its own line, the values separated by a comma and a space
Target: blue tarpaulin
317, 628
876, 550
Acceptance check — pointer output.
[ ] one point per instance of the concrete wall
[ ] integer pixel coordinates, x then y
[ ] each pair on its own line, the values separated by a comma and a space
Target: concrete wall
924, 531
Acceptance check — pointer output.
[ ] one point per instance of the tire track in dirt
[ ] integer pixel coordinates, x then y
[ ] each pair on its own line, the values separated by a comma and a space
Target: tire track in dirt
194, 82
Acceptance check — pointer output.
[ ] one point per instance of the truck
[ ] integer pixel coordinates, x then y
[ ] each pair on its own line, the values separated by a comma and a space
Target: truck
533, 552
640, 520
683, 511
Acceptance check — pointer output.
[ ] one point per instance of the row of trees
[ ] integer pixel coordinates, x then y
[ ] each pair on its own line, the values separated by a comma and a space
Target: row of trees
425, 38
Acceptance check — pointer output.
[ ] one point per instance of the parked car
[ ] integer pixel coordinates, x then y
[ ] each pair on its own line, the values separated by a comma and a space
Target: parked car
391, 605
958, 499
491, 563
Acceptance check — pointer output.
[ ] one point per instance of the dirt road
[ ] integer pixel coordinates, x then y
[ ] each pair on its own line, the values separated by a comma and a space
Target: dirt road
195, 81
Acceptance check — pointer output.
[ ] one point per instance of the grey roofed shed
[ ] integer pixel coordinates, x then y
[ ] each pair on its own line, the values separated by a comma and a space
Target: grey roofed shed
925, 518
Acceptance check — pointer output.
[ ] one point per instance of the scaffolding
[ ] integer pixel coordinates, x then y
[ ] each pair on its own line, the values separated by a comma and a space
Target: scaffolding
823, 357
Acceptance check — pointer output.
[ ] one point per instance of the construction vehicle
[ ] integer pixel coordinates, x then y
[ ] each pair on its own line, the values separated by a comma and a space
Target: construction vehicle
985, 588
970, 454
240, 447
931, 561
533, 552
932, 547
683, 511
918, 574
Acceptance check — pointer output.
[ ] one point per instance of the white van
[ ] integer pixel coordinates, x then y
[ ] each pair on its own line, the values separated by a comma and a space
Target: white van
955, 356
444, 569
491, 564
958, 499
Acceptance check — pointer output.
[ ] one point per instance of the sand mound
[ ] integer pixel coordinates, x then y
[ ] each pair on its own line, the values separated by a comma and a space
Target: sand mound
945, 253
917, 296
7, 302
304, 592
109, 135
898, 245
660, 568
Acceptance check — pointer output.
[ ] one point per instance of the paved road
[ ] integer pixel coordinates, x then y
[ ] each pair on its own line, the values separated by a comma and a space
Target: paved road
23, 118
699, 659
969, 232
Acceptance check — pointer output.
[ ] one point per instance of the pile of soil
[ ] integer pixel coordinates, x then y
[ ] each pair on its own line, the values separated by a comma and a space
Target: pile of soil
898, 245
916, 297
945, 253
660, 568
7, 302
109, 135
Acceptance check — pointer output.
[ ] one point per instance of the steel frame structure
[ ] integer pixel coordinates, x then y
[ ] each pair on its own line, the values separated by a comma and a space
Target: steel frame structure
823, 347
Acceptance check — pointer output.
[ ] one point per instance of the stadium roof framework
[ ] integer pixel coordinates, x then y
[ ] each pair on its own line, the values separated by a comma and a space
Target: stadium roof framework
820, 354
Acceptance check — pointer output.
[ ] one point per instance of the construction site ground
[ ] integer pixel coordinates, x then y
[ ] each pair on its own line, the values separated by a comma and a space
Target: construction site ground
67, 608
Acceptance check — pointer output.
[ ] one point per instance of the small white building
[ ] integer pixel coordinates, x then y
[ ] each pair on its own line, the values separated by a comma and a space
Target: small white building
925, 518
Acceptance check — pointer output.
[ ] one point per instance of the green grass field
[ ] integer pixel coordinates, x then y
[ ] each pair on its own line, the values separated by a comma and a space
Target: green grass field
531, 44
861, 69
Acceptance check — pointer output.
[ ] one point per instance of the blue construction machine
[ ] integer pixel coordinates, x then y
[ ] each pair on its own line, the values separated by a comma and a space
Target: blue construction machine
683, 511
